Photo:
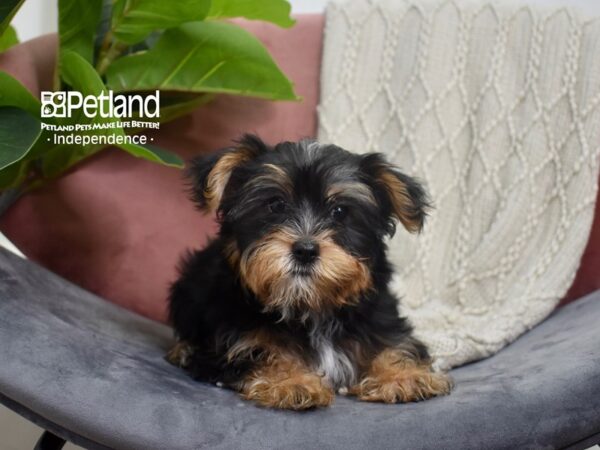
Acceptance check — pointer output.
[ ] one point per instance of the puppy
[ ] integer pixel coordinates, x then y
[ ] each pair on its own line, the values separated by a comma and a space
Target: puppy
291, 302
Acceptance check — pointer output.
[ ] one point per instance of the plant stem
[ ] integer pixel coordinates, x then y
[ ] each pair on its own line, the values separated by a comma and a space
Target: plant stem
107, 56
56, 84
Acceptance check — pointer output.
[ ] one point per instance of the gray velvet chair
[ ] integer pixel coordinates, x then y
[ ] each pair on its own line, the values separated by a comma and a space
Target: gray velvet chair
92, 373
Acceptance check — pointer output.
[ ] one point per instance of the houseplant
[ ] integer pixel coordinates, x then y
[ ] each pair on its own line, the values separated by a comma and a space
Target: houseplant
185, 50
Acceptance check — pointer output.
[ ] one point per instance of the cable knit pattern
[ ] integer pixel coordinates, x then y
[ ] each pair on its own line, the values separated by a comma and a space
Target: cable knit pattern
494, 106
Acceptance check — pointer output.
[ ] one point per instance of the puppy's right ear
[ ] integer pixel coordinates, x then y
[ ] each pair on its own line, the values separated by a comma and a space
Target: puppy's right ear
210, 174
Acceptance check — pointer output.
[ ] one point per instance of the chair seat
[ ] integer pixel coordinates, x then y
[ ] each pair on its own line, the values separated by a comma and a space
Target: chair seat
94, 373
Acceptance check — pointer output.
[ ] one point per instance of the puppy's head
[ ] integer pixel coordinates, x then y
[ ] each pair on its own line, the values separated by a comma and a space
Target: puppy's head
304, 223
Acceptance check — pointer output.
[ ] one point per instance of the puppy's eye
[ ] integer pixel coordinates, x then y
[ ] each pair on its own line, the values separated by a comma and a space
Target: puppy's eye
277, 205
339, 212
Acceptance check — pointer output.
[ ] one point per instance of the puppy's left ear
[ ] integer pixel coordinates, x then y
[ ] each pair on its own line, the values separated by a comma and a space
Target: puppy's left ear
211, 174
404, 195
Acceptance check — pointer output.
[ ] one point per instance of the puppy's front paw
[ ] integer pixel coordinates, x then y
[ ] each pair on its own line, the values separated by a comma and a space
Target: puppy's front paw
297, 392
394, 379
403, 387
180, 354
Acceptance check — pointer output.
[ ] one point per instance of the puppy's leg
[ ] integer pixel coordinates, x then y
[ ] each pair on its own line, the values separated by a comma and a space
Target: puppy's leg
180, 354
396, 375
283, 381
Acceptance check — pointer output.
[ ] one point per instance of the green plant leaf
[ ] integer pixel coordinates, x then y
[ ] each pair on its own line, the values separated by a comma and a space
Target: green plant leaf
13, 93
8, 39
77, 24
154, 154
177, 104
81, 75
134, 20
274, 11
203, 57
18, 133
8, 9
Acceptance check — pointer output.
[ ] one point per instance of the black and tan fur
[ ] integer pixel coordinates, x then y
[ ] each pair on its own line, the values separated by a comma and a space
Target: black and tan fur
290, 302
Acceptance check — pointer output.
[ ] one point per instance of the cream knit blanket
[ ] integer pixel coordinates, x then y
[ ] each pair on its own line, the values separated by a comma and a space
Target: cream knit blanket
494, 105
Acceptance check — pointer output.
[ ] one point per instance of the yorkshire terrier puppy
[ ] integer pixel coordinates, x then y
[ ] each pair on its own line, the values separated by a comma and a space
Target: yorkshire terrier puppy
290, 302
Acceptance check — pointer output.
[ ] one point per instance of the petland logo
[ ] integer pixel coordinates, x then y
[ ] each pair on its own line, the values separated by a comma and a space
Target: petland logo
119, 112
107, 105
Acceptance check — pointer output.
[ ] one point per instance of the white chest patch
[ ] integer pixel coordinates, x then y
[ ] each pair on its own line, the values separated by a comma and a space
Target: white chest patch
332, 362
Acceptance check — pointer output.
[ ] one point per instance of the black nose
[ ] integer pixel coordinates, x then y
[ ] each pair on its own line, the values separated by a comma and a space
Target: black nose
305, 251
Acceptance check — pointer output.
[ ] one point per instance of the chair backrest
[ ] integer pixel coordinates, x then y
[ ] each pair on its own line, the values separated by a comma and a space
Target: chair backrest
588, 276
117, 225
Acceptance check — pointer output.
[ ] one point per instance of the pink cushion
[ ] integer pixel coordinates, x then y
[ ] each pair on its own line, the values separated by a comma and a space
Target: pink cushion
32, 63
588, 275
117, 225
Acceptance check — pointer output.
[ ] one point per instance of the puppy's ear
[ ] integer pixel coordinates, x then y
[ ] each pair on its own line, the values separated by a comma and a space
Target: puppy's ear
210, 174
404, 196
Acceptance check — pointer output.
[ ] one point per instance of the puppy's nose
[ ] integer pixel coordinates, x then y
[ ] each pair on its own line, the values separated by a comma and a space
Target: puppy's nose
305, 251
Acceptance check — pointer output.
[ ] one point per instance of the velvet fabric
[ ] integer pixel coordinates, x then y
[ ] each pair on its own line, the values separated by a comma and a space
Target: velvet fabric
118, 225
94, 373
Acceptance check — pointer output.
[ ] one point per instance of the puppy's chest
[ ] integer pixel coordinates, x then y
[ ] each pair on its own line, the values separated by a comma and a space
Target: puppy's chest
332, 361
